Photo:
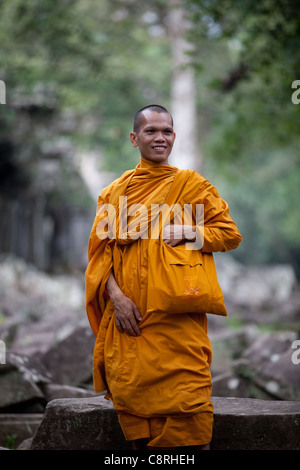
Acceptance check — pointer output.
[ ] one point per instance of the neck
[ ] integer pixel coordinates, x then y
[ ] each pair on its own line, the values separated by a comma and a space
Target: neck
153, 164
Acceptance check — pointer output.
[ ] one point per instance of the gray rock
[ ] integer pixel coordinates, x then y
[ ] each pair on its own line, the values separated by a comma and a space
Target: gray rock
19, 382
26, 444
252, 424
53, 391
79, 424
239, 424
37, 337
259, 286
228, 345
70, 361
268, 364
233, 385
16, 427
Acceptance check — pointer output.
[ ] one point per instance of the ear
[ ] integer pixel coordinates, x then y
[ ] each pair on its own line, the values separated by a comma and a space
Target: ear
133, 139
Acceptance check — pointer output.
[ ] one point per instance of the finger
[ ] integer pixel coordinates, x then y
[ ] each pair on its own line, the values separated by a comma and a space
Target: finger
132, 328
137, 313
126, 322
134, 318
119, 325
171, 242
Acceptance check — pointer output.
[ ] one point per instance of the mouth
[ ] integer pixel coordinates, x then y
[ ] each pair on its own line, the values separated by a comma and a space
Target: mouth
159, 148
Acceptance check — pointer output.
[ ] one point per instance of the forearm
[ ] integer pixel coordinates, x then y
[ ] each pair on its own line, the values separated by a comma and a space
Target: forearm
220, 239
112, 287
220, 232
127, 314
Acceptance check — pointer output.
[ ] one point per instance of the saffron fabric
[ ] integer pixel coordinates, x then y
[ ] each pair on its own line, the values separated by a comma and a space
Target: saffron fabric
165, 372
167, 432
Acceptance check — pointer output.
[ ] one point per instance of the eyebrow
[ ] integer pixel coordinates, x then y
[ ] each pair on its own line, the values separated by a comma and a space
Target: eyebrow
149, 127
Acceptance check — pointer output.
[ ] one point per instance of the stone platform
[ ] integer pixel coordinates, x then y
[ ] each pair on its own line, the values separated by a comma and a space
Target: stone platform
239, 424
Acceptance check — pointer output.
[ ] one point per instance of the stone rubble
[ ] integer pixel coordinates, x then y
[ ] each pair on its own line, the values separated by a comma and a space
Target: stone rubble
49, 343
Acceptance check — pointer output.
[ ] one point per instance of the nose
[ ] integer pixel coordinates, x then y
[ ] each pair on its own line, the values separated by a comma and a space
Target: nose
159, 137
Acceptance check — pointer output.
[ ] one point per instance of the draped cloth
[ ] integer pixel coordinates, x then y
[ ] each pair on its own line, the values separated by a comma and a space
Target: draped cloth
160, 381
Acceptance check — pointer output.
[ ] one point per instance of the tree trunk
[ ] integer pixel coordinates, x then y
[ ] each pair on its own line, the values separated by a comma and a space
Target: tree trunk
183, 93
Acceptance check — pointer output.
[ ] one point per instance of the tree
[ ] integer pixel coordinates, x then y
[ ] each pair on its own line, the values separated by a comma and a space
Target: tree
263, 61
186, 152
99, 58
252, 125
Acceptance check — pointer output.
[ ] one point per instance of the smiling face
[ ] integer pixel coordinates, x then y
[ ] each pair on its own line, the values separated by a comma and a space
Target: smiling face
154, 137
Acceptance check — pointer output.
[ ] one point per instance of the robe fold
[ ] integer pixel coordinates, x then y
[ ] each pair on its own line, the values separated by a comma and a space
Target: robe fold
163, 375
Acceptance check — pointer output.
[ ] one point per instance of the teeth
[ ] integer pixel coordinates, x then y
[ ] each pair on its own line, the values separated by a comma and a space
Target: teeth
159, 148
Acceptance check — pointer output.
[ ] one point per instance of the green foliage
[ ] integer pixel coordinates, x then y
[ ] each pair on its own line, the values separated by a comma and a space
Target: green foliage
100, 57
251, 138
101, 60
11, 441
263, 56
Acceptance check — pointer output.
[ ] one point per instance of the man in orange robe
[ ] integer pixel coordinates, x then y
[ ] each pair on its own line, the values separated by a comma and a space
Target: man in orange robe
154, 366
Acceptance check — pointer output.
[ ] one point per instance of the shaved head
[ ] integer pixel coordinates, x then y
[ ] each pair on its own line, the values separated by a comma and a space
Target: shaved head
138, 118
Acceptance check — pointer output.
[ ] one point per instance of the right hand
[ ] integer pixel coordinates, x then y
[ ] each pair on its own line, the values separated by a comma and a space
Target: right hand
175, 234
127, 315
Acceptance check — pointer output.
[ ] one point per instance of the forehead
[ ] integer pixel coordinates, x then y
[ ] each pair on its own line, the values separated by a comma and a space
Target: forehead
157, 120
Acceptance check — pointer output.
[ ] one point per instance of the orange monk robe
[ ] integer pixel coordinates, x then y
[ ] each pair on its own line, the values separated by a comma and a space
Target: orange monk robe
160, 381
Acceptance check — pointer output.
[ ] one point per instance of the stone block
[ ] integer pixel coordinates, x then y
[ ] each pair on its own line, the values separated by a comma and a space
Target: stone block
254, 424
70, 361
79, 424
268, 364
239, 424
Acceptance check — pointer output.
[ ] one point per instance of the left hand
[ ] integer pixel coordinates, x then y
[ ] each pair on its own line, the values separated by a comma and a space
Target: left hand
175, 234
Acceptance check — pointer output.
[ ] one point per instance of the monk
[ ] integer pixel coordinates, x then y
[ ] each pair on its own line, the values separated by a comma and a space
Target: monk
153, 364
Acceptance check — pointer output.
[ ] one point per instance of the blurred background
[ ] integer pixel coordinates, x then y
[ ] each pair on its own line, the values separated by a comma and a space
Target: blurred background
75, 72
